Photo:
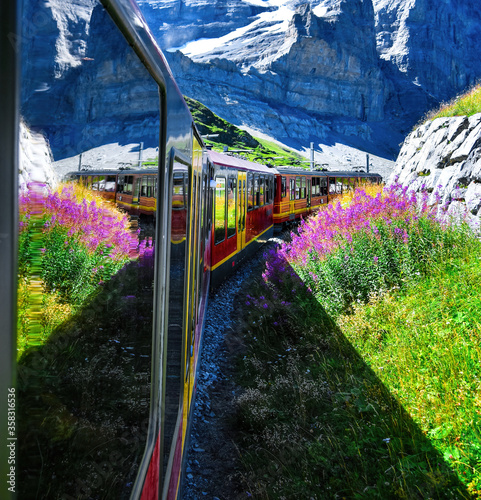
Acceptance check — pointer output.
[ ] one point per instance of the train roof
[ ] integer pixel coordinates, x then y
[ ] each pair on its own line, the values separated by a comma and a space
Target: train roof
113, 172
232, 161
326, 173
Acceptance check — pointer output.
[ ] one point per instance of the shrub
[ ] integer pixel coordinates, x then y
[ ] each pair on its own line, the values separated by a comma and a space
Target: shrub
71, 242
344, 254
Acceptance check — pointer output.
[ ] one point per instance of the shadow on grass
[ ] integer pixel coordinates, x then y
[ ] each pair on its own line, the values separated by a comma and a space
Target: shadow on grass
317, 421
84, 395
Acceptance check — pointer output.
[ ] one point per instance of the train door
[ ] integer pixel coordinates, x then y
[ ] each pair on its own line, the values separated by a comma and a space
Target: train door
292, 198
308, 201
241, 221
136, 190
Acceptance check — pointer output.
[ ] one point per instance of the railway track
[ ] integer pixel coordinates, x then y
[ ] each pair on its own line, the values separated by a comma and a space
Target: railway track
213, 468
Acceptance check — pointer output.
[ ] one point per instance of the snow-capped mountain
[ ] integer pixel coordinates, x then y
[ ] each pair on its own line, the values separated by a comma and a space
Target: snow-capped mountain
353, 71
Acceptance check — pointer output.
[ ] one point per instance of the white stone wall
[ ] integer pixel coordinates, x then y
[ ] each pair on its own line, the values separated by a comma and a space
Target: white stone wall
35, 159
443, 156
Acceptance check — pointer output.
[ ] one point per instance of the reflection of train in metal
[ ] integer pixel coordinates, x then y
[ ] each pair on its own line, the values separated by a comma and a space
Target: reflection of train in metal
105, 401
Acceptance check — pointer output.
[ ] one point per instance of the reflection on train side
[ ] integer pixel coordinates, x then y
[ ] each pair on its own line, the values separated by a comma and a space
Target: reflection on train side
85, 392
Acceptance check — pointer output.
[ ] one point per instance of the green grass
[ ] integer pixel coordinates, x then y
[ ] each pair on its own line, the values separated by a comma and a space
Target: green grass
380, 399
232, 137
424, 344
467, 104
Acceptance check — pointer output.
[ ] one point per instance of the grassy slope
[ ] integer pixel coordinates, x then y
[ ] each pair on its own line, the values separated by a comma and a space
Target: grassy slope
379, 403
424, 345
229, 135
467, 104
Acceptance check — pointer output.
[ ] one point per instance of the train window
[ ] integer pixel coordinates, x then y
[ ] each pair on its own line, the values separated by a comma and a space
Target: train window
178, 191
323, 187
256, 191
298, 188
261, 191
231, 207
136, 189
211, 194
293, 188
110, 184
125, 184
339, 185
219, 210
303, 187
121, 184
143, 188
150, 186
332, 185
283, 187
250, 192
146, 189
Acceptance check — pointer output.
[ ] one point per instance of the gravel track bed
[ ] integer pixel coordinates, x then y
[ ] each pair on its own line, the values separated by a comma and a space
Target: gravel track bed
212, 470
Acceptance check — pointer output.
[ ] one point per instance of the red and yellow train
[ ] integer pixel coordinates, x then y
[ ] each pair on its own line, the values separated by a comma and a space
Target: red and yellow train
250, 200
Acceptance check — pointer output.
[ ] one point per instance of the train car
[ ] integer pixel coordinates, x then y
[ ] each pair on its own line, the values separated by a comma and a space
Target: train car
102, 403
104, 182
300, 192
135, 191
243, 211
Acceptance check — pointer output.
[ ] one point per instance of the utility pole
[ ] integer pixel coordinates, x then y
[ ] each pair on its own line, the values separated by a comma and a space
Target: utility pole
312, 156
80, 162
367, 163
140, 154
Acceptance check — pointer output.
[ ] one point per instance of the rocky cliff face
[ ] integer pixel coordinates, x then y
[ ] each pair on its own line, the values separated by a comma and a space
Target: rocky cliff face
431, 42
443, 156
330, 71
98, 95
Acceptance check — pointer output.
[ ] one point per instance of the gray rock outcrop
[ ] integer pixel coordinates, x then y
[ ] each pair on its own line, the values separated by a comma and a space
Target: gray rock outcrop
443, 156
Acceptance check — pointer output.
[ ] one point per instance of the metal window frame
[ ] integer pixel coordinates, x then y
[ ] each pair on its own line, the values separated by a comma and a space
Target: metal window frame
10, 15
